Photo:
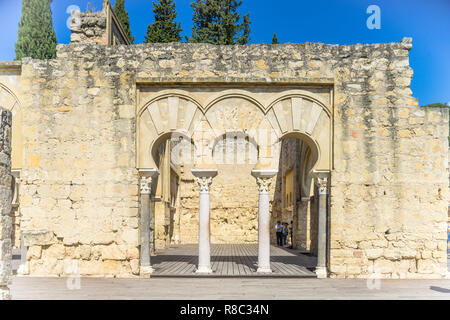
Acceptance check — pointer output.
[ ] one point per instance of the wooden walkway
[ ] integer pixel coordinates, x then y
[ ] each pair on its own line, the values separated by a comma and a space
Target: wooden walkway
231, 260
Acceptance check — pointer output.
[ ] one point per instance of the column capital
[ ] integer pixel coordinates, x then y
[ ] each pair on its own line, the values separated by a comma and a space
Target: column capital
16, 173
204, 178
146, 176
204, 183
321, 180
264, 179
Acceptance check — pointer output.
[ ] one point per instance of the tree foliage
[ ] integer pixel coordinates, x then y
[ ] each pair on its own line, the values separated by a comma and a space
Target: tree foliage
275, 39
164, 29
436, 105
218, 22
122, 14
36, 37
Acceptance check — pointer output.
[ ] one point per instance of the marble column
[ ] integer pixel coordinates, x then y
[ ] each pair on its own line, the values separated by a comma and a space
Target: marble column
322, 185
264, 179
204, 179
146, 178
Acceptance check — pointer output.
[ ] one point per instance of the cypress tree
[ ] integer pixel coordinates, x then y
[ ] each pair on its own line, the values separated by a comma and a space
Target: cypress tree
275, 39
164, 28
36, 37
122, 14
218, 22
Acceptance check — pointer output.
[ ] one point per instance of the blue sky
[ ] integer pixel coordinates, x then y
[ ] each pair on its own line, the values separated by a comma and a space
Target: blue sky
297, 21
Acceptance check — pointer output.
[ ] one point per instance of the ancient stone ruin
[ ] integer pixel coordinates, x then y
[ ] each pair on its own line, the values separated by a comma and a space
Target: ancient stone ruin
121, 149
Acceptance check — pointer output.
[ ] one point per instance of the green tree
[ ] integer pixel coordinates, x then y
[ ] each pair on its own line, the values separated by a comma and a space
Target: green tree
164, 29
275, 39
218, 22
436, 105
122, 14
36, 37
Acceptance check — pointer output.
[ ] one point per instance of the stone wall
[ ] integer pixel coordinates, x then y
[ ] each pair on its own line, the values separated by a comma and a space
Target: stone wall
89, 27
102, 27
79, 192
389, 186
5, 203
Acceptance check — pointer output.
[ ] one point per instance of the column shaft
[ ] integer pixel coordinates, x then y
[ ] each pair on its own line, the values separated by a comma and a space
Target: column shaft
204, 240
263, 233
144, 221
204, 179
322, 236
145, 230
321, 269
264, 179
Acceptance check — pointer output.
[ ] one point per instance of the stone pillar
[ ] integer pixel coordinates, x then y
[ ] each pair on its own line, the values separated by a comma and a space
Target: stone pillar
264, 179
5, 203
322, 185
204, 179
146, 177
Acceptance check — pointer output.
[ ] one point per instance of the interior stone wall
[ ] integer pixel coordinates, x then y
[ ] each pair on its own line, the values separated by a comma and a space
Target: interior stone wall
5, 203
79, 193
289, 160
234, 203
234, 206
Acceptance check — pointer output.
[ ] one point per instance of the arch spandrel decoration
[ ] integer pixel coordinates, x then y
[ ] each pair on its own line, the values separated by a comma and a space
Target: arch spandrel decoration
298, 116
9, 101
166, 114
235, 114
294, 114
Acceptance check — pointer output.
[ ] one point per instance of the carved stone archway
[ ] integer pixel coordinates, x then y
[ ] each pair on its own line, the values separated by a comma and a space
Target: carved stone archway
292, 114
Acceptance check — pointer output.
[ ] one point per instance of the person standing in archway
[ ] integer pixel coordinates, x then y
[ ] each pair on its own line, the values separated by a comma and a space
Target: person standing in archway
285, 233
279, 230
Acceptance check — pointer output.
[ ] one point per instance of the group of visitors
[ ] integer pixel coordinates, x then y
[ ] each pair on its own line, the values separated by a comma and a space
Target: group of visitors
283, 230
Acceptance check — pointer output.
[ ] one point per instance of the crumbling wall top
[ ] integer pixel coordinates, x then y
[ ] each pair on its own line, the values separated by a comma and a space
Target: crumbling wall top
102, 27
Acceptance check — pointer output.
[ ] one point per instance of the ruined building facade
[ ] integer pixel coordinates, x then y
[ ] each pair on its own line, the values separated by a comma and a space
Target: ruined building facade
109, 131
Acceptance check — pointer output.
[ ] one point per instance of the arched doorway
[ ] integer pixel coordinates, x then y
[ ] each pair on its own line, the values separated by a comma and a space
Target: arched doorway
226, 130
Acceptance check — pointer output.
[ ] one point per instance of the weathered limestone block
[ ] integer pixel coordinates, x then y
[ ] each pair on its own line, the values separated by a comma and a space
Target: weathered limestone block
88, 27
34, 252
39, 238
114, 252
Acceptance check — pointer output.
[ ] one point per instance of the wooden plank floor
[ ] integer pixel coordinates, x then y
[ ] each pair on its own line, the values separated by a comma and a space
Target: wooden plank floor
231, 260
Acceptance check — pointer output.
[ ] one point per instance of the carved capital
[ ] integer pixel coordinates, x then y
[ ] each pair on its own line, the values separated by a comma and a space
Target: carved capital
146, 185
204, 183
204, 178
145, 182
263, 184
322, 184
264, 179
